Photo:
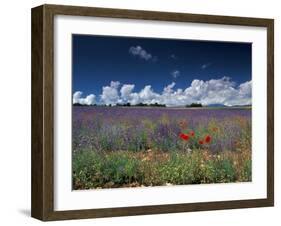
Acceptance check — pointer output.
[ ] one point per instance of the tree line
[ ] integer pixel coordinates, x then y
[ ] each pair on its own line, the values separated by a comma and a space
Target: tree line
193, 105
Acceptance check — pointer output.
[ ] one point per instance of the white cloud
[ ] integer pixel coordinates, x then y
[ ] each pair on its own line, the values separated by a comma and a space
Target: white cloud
126, 90
114, 84
214, 91
204, 66
134, 98
245, 89
175, 73
244, 96
169, 88
88, 100
140, 52
126, 94
76, 97
110, 93
148, 96
219, 91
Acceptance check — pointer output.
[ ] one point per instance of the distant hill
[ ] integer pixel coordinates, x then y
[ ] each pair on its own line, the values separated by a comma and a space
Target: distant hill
225, 106
237, 106
217, 105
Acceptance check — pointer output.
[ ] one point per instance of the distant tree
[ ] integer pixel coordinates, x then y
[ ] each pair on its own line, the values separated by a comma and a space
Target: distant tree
141, 104
146, 105
194, 105
123, 105
128, 104
157, 105
78, 104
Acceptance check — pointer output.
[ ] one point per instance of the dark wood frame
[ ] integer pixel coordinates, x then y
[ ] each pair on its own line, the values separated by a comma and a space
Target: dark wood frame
42, 203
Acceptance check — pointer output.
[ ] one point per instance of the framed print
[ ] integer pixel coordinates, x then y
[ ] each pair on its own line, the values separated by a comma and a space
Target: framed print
141, 112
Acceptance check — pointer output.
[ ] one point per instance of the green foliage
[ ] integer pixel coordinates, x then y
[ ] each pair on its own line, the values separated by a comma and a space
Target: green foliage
220, 171
86, 169
101, 170
246, 174
194, 105
181, 169
125, 168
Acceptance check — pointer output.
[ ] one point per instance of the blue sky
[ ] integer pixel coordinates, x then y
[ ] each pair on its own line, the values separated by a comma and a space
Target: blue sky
150, 65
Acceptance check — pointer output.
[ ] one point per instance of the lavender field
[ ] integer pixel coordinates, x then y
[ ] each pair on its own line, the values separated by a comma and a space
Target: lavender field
141, 146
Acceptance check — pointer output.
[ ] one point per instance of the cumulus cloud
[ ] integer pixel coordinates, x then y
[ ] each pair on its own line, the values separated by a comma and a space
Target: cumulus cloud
175, 73
88, 100
126, 94
126, 90
215, 91
140, 52
110, 93
219, 91
148, 96
169, 88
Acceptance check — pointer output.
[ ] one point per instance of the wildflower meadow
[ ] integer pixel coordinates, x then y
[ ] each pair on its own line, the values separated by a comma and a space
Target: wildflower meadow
115, 147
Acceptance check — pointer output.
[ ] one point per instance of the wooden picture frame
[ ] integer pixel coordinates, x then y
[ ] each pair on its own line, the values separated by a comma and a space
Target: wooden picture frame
42, 203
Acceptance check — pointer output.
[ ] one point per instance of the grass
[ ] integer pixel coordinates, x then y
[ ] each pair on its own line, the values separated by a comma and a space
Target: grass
154, 168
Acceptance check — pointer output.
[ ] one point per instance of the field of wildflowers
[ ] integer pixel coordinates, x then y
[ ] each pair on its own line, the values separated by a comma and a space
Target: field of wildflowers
138, 146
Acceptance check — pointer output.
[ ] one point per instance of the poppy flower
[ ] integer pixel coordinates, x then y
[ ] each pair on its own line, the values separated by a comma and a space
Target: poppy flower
201, 142
191, 133
208, 139
184, 136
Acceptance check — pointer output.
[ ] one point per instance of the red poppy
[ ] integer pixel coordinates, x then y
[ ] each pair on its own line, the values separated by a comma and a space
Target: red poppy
184, 136
191, 133
208, 139
201, 142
